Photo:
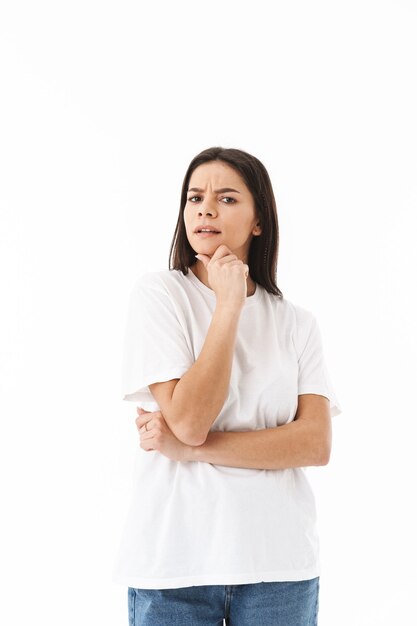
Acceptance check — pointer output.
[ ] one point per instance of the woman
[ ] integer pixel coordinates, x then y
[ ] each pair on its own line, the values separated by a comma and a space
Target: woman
235, 401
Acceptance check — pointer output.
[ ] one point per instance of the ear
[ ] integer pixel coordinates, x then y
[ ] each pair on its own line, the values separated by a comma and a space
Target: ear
257, 230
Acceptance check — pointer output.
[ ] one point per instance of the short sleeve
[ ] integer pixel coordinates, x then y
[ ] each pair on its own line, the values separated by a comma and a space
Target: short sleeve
313, 376
155, 344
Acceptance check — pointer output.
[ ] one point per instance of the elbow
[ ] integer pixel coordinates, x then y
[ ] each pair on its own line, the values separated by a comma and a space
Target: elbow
325, 452
196, 442
193, 440
319, 450
325, 458
182, 431
190, 438
323, 446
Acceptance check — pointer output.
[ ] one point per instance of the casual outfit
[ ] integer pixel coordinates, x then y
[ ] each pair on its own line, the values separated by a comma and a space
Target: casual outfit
201, 524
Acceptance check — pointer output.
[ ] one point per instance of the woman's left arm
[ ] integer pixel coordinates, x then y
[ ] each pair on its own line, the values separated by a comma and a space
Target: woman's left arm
304, 442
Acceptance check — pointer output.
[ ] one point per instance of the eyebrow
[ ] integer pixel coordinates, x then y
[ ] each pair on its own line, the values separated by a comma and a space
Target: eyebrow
222, 190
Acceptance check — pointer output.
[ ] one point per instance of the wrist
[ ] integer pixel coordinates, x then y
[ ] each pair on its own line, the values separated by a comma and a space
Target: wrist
232, 309
192, 453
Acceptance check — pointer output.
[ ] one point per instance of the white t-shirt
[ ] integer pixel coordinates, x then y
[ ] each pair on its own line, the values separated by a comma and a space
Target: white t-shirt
198, 523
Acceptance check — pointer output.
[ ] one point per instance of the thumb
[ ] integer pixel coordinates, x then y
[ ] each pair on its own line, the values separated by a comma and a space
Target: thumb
204, 258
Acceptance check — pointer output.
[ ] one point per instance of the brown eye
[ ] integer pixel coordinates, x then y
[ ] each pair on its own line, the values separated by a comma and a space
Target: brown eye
229, 198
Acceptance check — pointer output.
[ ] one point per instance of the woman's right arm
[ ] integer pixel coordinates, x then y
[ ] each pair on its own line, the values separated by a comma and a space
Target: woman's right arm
191, 404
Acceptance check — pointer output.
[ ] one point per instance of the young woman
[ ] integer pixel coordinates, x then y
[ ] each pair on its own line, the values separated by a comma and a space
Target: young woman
235, 400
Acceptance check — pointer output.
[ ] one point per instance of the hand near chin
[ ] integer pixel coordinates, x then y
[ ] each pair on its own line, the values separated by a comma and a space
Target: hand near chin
227, 275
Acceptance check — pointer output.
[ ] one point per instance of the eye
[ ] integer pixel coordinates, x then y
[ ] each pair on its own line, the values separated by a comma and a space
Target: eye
191, 198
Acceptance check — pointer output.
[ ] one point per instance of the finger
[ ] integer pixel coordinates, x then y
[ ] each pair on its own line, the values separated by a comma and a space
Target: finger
141, 420
227, 259
239, 263
203, 258
220, 252
147, 434
146, 445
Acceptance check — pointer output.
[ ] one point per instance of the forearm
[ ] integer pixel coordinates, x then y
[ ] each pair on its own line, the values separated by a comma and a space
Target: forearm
200, 394
296, 444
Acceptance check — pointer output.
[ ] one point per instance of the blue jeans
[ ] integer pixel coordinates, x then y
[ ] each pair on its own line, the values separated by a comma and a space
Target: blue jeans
256, 604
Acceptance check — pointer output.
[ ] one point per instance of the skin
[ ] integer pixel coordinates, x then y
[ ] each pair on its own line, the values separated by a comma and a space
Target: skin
159, 437
233, 213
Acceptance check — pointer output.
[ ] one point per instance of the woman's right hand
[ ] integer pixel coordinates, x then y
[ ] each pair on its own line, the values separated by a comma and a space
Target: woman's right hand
227, 276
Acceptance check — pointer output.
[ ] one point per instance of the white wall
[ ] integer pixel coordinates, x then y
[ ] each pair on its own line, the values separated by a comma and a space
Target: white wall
103, 106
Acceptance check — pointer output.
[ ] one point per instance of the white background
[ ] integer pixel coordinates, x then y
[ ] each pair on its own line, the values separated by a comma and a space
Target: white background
103, 105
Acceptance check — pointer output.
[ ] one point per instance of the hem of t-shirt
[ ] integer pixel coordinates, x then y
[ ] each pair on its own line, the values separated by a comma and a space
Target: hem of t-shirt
335, 407
217, 579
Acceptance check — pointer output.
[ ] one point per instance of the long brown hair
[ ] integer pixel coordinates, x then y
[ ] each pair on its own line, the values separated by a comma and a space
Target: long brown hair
263, 251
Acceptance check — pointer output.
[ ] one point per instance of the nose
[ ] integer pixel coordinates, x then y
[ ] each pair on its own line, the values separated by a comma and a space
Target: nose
207, 208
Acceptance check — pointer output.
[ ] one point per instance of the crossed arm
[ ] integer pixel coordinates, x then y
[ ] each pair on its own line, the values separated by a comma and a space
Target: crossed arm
303, 442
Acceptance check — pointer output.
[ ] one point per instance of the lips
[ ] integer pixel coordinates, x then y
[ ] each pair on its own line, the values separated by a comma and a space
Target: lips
206, 229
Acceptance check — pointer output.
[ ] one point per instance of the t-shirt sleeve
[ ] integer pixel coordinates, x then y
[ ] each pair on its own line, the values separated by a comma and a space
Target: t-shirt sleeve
313, 376
155, 348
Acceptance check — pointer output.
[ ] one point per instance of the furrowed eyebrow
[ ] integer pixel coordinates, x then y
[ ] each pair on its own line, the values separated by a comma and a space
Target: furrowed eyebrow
222, 190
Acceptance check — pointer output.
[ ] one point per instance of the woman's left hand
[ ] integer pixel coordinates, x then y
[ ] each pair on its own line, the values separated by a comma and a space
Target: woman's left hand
158, 436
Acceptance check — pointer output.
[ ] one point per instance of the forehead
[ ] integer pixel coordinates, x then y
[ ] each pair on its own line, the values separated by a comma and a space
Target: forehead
216, 174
